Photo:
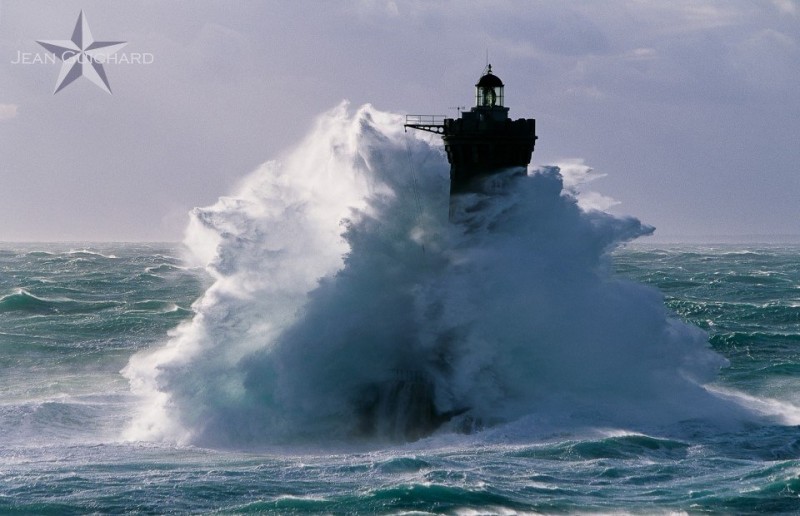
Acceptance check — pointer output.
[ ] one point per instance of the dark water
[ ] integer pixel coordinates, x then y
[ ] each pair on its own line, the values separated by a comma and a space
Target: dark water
72, 315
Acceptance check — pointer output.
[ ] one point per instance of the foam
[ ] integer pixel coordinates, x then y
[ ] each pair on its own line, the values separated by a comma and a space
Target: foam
336, 270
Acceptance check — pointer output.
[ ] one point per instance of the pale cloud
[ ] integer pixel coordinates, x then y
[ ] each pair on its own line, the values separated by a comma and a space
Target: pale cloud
786, 6
378, 8
764, 59
590, 92
8, 111
641, 54
699, 16
682, 16
669, 98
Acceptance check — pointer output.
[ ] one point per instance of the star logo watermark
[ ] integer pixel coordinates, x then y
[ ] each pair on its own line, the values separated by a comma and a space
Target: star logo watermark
82, 56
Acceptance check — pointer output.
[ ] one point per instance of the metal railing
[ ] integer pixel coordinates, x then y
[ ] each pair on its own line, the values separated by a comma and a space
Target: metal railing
429, 120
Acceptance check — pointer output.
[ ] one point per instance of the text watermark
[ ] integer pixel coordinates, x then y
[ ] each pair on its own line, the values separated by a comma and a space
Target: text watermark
82, 56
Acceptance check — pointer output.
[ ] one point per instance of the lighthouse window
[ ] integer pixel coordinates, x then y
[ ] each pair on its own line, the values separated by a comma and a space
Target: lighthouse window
489, 97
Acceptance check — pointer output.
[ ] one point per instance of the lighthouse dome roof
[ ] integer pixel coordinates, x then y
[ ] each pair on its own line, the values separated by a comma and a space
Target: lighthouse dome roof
489, 80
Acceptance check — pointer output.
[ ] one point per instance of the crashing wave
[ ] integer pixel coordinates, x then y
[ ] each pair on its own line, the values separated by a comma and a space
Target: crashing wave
351, 299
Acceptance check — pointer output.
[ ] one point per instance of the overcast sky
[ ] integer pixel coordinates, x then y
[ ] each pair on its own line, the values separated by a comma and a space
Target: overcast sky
690, 107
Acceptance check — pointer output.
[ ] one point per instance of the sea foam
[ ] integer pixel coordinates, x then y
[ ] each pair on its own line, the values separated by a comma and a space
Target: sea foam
343, 268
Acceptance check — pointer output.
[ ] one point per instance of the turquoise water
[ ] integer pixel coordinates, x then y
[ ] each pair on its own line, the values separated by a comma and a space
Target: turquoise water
71, 316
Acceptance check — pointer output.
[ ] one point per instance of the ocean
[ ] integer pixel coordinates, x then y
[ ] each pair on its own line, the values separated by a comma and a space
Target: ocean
332, 338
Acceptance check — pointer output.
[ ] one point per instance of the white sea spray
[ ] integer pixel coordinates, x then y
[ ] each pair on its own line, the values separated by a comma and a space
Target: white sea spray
338, 270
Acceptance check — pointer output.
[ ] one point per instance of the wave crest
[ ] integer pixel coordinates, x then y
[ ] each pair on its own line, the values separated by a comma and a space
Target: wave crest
346, 302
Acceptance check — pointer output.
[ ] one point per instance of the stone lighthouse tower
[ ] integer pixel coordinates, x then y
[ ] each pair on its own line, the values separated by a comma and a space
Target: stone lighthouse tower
484, 140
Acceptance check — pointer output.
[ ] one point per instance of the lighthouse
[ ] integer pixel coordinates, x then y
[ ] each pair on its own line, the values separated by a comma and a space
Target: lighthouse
483, 140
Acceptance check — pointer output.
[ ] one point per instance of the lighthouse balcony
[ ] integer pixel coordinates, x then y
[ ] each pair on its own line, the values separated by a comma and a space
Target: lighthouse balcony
430, 123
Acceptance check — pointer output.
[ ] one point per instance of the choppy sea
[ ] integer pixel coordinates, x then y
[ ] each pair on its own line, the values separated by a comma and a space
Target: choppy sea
72, 315
341, 336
